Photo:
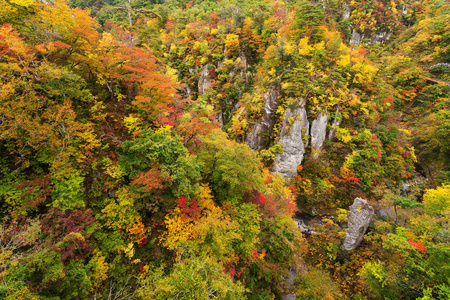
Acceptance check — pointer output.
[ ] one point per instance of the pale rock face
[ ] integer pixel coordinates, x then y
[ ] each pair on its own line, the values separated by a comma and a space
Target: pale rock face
356, 38
359, 217
295, 126
256, 139
346, 11
187, 90
381, 37
219, 118
318, 133
203, 81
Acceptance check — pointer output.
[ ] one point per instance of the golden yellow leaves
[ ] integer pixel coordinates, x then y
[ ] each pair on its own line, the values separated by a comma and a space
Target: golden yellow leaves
90, 141
132, 123
177, 230
24, 3
343, 135
112, 169
101, 269
128, 252
437, 201
232, 44
304, 48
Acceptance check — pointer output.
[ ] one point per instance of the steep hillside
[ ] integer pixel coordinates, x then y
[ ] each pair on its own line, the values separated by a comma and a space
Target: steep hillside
210, 149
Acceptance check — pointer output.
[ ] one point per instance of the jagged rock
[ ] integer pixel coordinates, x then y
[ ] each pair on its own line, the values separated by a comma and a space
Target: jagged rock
295, 126
381, 37
359, 217
270, 103
346, 11
443, 65
318, 133
187, 90
240, 69
290, 284
405, 8
219, 118
203, 81
256, 138
356, 37
305, 229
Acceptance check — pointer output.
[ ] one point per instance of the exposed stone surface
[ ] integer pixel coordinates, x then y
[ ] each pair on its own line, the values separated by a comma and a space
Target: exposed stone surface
381, 37
305, 229
318, 133
356, 38
295, 126
256, 138
187, 90
443, 65
289, 297
387, 212
359, 217
346, 11
203, 81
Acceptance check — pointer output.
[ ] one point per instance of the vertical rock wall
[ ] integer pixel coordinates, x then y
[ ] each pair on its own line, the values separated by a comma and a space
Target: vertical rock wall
256, 139
295, 128
318, 133
203, 81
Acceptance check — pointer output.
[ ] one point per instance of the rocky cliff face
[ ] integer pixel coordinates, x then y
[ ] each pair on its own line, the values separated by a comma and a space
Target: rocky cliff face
295, 128
318, 133
203, 81
295, 134
256, 139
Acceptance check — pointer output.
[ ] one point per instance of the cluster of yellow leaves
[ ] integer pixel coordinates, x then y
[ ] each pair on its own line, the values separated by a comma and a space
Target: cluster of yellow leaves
101, 269
213, 233
128, 252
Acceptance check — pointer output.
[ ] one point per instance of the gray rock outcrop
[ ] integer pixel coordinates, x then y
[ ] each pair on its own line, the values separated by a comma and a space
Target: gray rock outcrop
346, 11
295, 127
356, 37
359, 217
256, 139
318, 133
381, 37
203, 81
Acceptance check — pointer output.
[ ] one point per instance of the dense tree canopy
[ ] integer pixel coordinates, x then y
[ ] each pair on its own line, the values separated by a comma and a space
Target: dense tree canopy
125, 166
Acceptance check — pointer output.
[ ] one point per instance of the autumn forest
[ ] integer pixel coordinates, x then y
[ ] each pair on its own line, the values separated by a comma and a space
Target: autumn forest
224, 149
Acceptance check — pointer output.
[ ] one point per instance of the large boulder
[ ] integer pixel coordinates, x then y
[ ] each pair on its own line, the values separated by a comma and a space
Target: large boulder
359, 217
295, 127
